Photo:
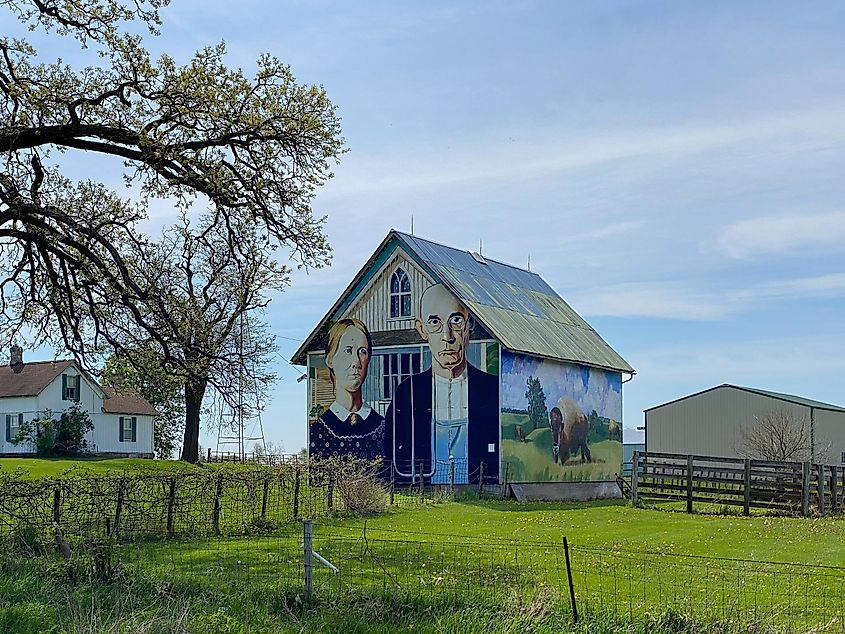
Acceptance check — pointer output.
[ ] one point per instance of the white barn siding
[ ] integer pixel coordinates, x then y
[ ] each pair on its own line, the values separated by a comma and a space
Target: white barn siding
710, 424
373, 304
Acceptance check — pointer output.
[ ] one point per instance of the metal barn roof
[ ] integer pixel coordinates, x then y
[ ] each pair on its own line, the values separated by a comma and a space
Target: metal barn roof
788, 398
516, 306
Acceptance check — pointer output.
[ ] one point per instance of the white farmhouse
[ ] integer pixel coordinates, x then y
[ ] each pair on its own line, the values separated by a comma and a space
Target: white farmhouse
123, 421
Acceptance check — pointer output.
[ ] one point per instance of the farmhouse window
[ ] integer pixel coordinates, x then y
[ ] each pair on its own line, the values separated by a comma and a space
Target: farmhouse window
70, 387
397, 368
128, 428
13, 424
400, 294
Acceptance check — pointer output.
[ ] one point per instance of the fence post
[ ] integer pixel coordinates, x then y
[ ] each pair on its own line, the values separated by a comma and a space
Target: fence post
834, 500
57, 505
330, 491
264, 495
119, 508
481, 479
746, 508
689, 484
171, 502
215, 516
820, 486
569, 578
209, 455
635, 468
307, 538
392, 483
505, 482
805, 489
421, 485
296, 492
452, 477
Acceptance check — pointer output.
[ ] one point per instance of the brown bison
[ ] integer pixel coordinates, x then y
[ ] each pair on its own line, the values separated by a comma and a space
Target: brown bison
572, 438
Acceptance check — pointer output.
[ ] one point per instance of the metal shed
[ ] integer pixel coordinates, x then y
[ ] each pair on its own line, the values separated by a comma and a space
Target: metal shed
711, 422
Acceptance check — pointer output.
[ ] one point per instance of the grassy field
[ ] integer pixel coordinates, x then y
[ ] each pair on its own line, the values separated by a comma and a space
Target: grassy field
52, 467
461, 566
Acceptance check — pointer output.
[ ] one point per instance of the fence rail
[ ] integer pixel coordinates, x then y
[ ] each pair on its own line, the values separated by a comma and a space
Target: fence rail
790, 487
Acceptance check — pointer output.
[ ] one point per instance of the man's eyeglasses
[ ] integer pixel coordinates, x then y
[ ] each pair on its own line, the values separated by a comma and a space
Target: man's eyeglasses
456, 323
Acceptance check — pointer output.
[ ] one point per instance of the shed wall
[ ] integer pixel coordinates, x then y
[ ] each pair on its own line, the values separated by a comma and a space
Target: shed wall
830, 435
710, 424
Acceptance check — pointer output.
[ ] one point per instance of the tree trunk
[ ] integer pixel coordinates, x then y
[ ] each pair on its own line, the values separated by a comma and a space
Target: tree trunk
194, 393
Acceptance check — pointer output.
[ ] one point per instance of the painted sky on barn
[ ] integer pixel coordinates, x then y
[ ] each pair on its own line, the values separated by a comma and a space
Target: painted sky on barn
674, 169
591, 389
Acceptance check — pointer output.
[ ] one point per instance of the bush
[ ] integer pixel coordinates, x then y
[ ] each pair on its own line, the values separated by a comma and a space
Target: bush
63, 437
362, 493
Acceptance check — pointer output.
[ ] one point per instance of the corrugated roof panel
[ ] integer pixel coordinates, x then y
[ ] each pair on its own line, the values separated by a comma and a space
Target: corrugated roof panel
800, 400
547, 338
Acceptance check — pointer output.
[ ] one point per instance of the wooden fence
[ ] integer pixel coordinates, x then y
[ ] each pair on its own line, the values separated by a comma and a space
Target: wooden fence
791, 487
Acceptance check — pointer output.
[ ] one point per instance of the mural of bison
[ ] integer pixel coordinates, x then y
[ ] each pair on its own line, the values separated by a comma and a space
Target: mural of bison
572, 437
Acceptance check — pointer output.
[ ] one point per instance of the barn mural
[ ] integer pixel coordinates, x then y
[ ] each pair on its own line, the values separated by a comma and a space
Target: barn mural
560, 421
431, 409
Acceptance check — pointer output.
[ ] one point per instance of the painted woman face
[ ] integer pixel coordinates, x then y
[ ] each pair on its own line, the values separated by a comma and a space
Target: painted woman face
350, 361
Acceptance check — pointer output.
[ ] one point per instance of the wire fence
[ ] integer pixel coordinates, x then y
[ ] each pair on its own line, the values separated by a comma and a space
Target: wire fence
355, 562
223, 500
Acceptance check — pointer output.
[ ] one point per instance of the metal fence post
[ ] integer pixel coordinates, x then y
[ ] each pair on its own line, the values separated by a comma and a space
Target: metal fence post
307, 538
635, 468
118, 511
805, 489
264, 495
392, 484
481, 479
451, 477
569, 578
746, 508
421, 484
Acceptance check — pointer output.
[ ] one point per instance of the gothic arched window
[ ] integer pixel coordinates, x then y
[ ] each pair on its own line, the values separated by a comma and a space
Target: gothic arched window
400, 294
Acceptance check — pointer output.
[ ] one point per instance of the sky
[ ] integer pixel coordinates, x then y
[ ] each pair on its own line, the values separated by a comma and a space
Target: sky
673, 169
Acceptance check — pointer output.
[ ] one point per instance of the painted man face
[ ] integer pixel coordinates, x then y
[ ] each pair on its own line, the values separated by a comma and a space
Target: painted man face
351, 360
444, 323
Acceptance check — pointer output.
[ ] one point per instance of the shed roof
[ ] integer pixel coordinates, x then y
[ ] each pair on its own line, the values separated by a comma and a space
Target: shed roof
516, 306
788, 398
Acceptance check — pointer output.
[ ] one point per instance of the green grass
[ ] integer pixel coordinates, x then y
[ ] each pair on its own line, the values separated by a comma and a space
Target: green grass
32, 467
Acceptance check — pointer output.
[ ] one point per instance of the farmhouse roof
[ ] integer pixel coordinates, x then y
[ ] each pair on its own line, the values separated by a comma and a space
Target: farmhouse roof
31, 379
788, 398
517, 307
126, 401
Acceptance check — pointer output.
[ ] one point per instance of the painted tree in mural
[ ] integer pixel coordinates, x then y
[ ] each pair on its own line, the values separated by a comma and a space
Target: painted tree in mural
538, 413
252, 151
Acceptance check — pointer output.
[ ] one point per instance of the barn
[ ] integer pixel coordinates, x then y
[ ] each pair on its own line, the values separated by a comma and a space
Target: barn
453, 367
718, 421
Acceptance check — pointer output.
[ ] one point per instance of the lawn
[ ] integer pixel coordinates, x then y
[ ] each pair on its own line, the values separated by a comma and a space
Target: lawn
466, 565
32, 467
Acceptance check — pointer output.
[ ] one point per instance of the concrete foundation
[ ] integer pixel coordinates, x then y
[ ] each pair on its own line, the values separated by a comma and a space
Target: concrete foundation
565, 491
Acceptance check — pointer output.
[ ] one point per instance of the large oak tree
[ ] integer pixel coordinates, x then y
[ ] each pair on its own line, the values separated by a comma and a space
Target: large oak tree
251, 149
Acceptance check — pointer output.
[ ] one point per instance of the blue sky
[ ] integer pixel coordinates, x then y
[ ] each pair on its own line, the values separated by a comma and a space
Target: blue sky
674, 169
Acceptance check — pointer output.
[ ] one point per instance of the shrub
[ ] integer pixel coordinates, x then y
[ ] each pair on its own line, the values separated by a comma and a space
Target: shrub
362, 492
63, 437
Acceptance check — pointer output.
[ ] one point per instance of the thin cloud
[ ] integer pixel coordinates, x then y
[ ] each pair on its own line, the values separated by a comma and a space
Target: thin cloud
545, 153
778, 234
681, 300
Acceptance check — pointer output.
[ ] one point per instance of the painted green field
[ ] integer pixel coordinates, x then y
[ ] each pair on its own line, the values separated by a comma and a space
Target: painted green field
531, 460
